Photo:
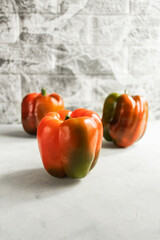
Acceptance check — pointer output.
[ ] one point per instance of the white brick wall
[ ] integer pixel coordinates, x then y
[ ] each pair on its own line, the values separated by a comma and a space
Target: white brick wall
9, 27
82, 50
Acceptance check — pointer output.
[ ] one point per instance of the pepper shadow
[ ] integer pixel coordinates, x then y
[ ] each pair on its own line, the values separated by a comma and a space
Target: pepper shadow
19, 133
109, 148
32, 184
110, 145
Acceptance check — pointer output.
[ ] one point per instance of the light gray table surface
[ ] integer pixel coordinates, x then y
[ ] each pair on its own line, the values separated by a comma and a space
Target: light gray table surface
118, 200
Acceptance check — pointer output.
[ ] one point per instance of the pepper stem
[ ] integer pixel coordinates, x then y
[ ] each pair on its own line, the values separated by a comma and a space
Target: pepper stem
43, 92
67, 117
125, 91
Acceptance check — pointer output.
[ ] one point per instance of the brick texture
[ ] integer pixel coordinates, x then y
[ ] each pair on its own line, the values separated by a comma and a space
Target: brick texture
82, 50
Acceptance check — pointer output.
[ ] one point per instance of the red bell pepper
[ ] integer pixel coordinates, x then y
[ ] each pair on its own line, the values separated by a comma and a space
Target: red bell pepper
124, 118
35, 106
70, 142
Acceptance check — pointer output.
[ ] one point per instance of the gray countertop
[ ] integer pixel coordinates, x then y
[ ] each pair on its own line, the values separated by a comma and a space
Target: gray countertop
118, 200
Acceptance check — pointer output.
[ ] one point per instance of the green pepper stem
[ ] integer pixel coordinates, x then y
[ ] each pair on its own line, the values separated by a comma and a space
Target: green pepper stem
125, 91
43, 92
67, 117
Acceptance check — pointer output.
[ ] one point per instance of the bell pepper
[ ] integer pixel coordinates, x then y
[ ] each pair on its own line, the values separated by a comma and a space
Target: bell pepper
70, 142
124, 118
35, 106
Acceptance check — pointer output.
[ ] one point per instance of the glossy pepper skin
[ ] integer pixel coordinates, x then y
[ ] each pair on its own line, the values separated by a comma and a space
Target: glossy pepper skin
70, 142
35, 106
124, 118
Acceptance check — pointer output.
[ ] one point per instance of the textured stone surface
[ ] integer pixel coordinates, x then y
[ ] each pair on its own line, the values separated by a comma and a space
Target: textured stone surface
9, 27
145, 6
77, 92
110, 30
87, 61
77, 30
82, 50
10, 90
39, 28
103, 86
7, 6
36, 60
34, 83
108, 7
10, 60
24, 7
145, 30
144, 60
10, 112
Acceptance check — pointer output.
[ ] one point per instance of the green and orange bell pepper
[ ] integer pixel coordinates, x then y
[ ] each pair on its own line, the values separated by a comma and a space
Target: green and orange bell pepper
124, 118
35, 106
70, 142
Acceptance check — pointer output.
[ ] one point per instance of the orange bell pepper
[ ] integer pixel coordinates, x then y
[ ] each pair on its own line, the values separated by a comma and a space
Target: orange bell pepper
35, 106
124, 118
70, 142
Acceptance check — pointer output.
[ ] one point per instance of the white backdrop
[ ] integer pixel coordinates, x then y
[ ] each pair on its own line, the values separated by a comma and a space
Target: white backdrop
82, 50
